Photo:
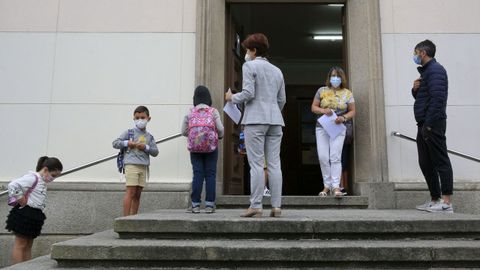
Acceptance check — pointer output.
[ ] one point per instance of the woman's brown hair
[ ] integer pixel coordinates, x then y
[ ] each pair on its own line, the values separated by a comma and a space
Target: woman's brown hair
257, 41
340, 73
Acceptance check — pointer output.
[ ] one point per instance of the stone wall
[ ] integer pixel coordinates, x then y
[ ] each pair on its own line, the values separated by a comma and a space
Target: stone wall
75, 209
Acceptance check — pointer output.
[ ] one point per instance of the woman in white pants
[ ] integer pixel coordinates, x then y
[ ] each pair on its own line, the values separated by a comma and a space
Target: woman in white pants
333, 98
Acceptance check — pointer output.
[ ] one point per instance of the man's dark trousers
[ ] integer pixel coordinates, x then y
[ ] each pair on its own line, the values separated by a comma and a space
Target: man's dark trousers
433, 158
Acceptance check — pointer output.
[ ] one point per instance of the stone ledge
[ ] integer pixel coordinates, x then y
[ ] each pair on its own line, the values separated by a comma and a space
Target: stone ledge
422, 186
111, 186
463, 201
296, 202
86, 212
381, 195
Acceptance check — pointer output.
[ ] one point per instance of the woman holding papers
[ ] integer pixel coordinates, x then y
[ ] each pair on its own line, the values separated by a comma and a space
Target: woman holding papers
263, 94
334, 105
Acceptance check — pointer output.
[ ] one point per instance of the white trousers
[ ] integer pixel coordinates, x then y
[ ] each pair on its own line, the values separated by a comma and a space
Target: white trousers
330, 157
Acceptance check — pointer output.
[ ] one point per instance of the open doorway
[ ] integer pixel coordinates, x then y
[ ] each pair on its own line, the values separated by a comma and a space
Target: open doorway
304, 62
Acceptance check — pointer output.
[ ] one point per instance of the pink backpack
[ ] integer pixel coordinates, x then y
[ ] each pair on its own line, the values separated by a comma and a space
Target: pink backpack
202, 132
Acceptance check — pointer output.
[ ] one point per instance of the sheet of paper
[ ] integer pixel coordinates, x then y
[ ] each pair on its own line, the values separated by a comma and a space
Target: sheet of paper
328, 123
233, 112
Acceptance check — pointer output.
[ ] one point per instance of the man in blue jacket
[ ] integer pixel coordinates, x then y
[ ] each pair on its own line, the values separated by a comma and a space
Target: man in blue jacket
430, 91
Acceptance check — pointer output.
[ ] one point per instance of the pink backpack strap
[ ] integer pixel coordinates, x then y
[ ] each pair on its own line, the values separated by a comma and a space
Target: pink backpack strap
190, 115
212, 110
30, 189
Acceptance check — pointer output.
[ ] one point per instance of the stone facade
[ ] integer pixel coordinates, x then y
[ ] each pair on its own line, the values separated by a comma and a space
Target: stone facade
71, 73
76, 209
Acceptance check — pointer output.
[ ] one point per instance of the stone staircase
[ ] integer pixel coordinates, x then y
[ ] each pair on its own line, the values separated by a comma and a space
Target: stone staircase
300, 239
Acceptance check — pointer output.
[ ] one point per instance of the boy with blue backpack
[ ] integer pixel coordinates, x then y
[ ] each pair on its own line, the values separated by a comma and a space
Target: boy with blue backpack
203, 127
136, 146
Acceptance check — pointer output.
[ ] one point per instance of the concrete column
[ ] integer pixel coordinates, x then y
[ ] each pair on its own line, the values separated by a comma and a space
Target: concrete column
210, 59
366, 81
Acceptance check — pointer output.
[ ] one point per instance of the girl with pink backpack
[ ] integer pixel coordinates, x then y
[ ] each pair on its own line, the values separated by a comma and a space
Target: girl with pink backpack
203, 127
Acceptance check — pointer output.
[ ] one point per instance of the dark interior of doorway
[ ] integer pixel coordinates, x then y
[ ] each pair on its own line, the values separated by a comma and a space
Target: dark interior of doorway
304, 62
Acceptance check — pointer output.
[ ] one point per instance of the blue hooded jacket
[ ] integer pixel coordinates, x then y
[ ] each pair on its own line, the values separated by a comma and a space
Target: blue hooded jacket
431, 98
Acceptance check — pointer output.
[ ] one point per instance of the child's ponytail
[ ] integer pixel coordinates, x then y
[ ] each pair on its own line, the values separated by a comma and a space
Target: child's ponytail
52, 164
40, 162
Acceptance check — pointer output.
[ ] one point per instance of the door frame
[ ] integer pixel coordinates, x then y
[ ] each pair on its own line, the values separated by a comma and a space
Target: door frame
364, 54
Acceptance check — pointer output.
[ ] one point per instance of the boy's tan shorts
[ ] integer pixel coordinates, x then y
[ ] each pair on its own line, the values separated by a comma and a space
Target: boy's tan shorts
136, 175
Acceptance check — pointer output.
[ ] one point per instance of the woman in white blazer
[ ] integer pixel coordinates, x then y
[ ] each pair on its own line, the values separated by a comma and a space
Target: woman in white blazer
263, 97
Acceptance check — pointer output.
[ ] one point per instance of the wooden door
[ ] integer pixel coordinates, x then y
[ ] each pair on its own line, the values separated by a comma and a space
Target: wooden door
234, 182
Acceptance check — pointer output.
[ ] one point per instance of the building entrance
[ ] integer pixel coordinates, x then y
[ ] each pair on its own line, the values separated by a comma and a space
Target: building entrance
306, 40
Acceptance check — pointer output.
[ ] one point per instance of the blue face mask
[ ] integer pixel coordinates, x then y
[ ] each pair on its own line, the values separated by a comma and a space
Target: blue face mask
335, 81
417, 59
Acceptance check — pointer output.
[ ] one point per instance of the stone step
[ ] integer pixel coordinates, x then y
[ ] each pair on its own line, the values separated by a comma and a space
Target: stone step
299, 224
106, 249
296, 202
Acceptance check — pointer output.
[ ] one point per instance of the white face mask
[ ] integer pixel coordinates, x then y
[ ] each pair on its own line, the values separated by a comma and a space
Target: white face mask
141, 123
248, 57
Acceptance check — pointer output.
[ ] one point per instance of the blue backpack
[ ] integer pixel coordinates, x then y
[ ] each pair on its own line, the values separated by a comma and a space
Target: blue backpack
121, 154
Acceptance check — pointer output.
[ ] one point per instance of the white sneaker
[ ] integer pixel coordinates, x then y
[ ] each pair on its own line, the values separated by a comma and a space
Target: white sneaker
426, 205
266, 192
441, 207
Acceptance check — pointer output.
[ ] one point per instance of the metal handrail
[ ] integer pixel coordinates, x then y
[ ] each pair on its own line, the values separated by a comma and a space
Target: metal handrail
90, 164
111, 157
456, 153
